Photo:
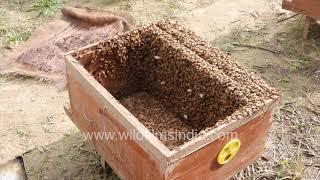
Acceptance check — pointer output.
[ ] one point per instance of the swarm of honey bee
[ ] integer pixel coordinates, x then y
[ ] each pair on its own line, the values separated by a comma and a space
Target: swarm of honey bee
198, 83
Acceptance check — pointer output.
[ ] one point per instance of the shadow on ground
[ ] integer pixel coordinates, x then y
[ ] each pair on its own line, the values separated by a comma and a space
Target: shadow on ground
72, 157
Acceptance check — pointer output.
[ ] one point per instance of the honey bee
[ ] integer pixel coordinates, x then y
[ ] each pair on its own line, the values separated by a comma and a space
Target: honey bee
190, 77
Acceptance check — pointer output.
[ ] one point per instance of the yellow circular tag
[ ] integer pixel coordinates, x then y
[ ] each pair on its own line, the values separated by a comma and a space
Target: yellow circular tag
228, 151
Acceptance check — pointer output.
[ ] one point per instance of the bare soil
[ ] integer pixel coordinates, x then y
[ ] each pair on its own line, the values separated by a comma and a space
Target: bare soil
32, 117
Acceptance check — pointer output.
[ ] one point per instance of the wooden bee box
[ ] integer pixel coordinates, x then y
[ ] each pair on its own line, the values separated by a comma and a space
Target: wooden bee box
163, 79
309, 8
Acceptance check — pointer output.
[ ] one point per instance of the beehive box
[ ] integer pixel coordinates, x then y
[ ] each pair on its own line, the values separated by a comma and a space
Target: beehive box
309, 8
163, 81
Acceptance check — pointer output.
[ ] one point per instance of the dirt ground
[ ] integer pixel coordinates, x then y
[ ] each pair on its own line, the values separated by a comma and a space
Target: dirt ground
32, 120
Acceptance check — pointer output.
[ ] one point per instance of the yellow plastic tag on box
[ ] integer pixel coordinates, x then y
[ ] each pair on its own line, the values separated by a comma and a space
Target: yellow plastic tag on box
229, 151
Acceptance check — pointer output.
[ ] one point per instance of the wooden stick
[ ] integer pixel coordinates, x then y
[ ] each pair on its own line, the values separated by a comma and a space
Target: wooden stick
287, 18
256, 47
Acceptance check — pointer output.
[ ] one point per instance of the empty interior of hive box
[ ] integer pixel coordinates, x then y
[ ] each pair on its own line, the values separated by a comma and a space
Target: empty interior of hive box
167, 86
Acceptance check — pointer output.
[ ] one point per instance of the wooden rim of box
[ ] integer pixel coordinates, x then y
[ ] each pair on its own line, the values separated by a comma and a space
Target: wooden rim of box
150, 143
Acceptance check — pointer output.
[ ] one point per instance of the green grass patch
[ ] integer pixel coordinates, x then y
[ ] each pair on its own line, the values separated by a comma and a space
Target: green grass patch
290, 169
21, 132
46, 7
13, 38
19, 18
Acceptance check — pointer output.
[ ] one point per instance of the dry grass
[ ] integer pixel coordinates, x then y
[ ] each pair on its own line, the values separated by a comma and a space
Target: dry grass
293, 144
19, 18
293, 150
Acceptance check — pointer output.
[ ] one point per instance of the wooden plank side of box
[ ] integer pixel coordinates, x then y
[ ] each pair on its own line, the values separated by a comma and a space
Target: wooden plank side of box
306, 7
202, 164
130, 158
96, 111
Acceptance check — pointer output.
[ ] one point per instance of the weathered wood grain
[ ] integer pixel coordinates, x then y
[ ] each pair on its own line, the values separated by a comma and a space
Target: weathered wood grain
202, 164
149, 159
309, 8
